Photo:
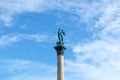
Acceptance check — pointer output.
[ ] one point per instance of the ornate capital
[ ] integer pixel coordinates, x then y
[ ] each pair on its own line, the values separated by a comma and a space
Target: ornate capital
60, 50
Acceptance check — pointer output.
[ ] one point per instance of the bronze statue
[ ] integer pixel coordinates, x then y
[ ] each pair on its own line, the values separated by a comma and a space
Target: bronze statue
61, 33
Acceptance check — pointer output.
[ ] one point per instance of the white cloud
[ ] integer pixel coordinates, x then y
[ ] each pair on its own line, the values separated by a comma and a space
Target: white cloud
86, 11
98, 12
97, 60
18, 69
7, 40
9, 9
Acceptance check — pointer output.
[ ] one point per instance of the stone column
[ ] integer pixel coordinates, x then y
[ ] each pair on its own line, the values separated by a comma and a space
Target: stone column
60, 62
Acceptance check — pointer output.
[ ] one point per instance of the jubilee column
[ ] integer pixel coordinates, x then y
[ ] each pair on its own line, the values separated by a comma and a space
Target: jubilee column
60, 55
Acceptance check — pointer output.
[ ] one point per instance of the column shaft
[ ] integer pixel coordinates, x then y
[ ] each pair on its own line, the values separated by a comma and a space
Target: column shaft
60, 67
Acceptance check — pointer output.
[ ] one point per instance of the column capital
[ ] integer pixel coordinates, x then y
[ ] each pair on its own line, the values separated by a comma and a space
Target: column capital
60, 49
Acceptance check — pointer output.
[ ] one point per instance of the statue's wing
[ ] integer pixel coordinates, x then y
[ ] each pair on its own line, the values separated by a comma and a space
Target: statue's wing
63, 33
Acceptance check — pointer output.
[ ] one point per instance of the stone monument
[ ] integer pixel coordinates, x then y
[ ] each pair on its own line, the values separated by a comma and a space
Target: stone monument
60, 54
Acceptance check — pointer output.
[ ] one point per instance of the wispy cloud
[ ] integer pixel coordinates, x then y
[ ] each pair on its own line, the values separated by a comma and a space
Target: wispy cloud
85, 11
17, 69
95, 60
9, 9
94, 12
7, 40
99, 58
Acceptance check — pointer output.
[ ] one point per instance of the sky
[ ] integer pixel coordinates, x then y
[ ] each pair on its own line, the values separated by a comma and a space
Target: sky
28, 33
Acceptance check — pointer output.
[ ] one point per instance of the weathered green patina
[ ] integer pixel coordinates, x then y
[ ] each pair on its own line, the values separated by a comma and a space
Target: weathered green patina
60, 33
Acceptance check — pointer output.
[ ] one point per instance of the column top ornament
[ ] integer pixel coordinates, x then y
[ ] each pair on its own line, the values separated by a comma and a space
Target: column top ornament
60, 34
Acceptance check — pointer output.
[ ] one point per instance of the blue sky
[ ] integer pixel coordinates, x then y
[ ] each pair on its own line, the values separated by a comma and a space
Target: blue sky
28, 34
